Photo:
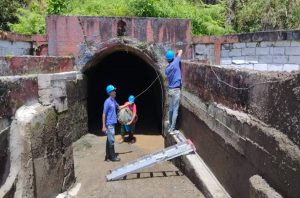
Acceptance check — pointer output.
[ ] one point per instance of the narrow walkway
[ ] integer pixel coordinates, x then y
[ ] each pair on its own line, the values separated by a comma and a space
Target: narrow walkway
162, 180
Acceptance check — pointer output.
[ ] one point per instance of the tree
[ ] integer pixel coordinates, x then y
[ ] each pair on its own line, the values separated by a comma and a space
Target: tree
8, 10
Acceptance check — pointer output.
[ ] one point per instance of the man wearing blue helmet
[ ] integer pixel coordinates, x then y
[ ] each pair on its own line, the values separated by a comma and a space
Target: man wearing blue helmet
130, 126
109, 120
173, 74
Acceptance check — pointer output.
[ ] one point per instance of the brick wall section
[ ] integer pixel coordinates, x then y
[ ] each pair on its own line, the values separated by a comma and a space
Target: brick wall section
12, 44
276, 104
265, 51
20, 65
67, 34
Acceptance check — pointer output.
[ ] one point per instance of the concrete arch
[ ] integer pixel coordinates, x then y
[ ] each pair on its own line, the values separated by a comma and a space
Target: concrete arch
144, 61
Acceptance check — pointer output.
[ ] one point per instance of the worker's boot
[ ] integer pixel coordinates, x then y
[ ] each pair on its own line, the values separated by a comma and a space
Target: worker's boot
112, 155
107, 152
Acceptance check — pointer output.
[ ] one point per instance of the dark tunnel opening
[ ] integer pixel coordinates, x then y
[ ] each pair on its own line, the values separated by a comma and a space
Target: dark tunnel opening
131, 75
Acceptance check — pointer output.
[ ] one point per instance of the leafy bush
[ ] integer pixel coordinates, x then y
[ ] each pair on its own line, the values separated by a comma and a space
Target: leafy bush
260, 15
8, 9
31, 19
206, 19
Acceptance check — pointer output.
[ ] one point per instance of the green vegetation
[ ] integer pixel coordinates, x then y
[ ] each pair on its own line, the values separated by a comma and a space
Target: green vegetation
259, 15
224, 17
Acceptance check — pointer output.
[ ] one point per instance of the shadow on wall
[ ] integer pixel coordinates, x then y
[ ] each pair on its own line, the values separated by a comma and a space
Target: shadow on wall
131, 75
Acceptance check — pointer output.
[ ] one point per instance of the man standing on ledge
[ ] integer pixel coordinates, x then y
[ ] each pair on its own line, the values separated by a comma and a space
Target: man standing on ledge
173, 74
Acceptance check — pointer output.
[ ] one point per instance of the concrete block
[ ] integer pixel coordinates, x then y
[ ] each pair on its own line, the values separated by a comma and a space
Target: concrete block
224, 53
21, 44
260, 188
291, 67
45, 96
282, 43
238, 60
239, 45
253, 59
295, 43
226, 46
248, 51
5, 44
265, 59
203, 49
61, 104
262, 51
267, 44
280, 59
292, 50
275, 67
253, 44
260, 67
294, 59
277, 51
235, 52
226, 61
44, 81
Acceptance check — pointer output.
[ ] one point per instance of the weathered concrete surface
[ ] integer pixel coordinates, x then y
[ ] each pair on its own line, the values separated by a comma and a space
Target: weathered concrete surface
271, 97
66, 34
21, 65
4, 155
41, 152
162, 180
236, 146
12, 44
41, 136
197, 171
259, 188
14, 92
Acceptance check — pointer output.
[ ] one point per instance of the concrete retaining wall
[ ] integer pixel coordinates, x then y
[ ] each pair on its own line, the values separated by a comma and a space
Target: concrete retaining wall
21, 65
41, 137
270, 97
231, 129
264, 51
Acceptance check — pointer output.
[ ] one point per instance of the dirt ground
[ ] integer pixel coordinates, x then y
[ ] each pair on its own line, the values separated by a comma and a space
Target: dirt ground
161, 180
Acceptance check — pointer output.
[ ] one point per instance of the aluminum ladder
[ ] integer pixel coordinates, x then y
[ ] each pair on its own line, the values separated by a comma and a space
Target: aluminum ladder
182, 148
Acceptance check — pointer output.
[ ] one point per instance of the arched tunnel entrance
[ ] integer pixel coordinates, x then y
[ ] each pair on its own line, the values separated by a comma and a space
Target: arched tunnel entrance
131, 74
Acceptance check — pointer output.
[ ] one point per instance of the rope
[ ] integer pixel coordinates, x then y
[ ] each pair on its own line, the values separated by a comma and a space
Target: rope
147, 87
245, 88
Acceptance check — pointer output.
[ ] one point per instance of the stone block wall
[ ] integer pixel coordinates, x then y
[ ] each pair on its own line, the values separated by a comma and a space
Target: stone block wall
8, 48
263, 51
12, 44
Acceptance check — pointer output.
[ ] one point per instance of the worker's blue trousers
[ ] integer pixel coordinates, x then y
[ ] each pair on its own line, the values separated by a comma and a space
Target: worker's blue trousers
110, 132
174, 101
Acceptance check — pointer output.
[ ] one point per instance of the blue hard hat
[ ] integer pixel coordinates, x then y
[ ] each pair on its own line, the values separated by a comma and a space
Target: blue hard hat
170, 55
110, 88
131, 99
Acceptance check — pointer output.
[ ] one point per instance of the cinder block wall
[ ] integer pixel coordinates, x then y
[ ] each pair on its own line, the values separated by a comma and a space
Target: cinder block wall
16, 44
265, 51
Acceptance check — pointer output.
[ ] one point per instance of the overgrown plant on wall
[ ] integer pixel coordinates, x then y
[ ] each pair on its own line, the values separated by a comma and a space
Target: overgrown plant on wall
261, 15
220, 17
206, 19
